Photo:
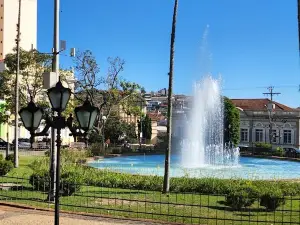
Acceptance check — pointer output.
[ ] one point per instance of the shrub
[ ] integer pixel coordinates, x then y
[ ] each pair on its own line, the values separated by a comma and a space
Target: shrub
263, 145
70, 182
10, 157
279, 152
96, 149
272, 198
5, 167
47, 153
1, 157
74, 156
240, 197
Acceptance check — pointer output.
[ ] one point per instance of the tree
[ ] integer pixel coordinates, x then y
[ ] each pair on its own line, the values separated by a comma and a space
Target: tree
146, 127
32, 66
231, 122
116, 129
109, 92
166, 184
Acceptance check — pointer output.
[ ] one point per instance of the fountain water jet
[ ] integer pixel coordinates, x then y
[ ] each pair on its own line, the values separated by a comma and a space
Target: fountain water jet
204, 142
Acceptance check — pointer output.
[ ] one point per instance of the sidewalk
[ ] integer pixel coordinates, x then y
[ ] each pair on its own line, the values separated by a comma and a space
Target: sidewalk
16, 216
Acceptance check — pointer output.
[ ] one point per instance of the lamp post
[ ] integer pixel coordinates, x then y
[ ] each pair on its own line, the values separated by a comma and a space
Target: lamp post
103, 118
59, 97
7, 113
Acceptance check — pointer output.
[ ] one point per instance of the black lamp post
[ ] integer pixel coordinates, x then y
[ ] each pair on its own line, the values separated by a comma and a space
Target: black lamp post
59, 97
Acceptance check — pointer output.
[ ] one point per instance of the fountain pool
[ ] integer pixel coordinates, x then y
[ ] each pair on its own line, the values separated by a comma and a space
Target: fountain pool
248, 167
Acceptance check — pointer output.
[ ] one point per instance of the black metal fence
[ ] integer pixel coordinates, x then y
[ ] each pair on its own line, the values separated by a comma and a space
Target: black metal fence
187, 208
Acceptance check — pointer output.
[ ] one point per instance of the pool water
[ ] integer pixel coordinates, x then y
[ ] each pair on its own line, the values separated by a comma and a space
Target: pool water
248, 168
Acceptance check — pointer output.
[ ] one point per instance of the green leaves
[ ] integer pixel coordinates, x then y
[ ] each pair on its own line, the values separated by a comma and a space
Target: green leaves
232, 118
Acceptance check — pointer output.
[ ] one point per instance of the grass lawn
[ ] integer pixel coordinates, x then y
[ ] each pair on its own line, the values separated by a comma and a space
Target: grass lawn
182, 208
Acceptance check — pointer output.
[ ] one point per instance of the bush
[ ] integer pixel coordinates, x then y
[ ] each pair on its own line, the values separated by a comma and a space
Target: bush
272, 198
240, 197
5, 167
263, 145
96, 149
69, 182
1, 157
73, 174
10, 157
279, 152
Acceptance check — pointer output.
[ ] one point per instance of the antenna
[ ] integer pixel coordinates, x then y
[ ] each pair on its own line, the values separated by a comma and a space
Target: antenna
72, 52
63, 45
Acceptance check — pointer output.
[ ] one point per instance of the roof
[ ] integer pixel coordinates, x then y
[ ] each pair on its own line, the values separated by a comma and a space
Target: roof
259, 104
155, 116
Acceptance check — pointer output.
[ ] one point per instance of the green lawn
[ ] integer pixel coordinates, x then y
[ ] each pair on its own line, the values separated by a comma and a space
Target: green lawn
182, 208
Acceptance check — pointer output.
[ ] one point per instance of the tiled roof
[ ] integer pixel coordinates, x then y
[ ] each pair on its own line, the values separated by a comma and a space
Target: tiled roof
155, 116
259, 104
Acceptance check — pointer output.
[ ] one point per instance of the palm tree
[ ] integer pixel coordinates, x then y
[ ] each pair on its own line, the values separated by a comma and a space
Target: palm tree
166, 184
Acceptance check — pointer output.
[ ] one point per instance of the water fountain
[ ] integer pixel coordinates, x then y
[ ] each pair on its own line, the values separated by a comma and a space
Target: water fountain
204, 130
203, 151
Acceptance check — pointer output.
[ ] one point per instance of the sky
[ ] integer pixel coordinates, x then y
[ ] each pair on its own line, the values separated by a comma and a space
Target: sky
251, 44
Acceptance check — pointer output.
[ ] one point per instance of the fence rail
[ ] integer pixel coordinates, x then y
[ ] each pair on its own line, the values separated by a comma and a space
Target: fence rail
188, 208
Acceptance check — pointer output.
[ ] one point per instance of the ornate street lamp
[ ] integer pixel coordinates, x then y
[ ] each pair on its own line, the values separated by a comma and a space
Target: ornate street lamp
31, 116
59, 97
86, 115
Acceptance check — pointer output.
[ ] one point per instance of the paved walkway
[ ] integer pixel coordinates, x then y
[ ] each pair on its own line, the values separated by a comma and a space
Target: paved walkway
17, 216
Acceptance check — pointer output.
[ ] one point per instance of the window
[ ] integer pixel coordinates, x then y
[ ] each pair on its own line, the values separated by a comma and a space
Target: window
287, 137
244, 135
259, 135
274, 136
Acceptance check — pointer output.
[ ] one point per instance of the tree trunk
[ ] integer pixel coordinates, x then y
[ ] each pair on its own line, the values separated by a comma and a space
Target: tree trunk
166, 184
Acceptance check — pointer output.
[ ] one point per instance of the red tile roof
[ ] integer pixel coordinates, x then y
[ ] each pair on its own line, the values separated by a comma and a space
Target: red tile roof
155, 116
259, 104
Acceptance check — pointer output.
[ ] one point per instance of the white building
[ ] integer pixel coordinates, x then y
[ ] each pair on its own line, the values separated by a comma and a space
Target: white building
255, 123
8, 26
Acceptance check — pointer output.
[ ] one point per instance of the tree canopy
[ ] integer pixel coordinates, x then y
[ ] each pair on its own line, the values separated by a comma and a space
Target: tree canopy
110, 88
32, 66
232, 122
146, 127
115, 129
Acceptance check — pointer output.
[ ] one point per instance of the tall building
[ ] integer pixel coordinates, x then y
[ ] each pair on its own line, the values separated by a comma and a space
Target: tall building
8, 25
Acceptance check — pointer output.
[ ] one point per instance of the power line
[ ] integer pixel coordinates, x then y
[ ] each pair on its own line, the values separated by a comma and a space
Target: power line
252, 88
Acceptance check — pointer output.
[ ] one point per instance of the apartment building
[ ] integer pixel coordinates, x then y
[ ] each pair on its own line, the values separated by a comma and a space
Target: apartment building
9, 10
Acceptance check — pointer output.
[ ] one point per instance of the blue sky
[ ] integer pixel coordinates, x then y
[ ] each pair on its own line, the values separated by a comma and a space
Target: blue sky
254, 43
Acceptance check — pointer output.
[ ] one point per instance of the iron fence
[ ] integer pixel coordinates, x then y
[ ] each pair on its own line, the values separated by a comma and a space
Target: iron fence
186, 208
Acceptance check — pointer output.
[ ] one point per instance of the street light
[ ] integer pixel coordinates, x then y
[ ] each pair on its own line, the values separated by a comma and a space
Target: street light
59, 97
86, 115
7, 113
103, 118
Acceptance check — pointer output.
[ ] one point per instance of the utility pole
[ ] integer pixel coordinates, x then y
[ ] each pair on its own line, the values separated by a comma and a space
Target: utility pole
16, 149
166, 184
271, 93
55, 68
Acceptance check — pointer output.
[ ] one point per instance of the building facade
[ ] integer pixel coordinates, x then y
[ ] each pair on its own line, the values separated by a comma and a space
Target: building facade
9, 10
258, 124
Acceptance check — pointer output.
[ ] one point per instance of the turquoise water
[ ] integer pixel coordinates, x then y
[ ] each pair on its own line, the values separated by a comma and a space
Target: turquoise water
249, 168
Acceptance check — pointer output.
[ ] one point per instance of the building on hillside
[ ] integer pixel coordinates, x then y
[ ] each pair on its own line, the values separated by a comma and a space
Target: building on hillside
255, 123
